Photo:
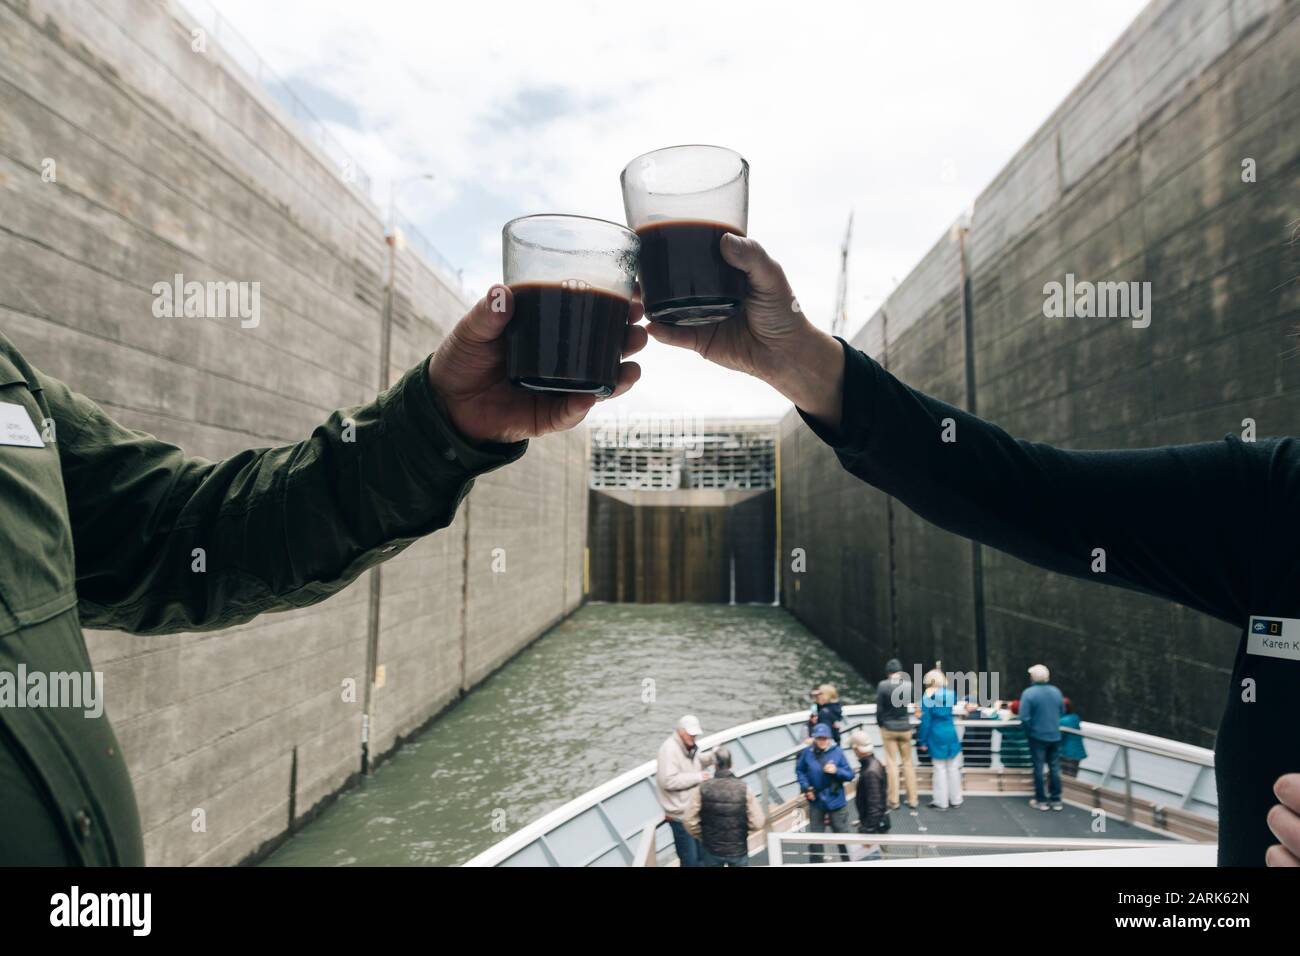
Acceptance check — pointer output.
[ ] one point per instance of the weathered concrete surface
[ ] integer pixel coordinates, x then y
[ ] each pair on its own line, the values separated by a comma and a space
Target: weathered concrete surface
1136, 176
170, 161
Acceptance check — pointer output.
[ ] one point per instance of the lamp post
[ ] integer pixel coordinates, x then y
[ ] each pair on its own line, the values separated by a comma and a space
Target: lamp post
385, 350
386, 329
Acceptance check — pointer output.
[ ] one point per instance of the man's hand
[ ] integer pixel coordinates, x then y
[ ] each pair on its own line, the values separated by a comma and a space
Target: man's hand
1284, 821
830, 768
468, 373
771, 338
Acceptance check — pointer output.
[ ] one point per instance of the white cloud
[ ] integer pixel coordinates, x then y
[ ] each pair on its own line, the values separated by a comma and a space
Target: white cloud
901, 112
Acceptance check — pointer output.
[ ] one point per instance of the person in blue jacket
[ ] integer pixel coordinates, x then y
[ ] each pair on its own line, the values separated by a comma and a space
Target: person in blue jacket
937, 736
822, 771
1073, 752
1041, 710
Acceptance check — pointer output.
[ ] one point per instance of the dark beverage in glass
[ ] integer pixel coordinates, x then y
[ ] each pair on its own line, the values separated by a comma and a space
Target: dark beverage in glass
680, 201
684, 279
565, 337
572, 280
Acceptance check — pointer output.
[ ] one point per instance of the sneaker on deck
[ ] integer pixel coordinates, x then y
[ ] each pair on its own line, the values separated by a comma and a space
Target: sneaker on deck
1039, 806
1057, 805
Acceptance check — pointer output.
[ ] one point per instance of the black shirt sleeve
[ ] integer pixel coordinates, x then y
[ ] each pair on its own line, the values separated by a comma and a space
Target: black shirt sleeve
1183, 522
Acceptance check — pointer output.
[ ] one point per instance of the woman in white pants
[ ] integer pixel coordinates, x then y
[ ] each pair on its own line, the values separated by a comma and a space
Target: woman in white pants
938, 738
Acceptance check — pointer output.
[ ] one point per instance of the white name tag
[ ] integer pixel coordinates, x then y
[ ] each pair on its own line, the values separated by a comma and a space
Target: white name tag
16, 427
1274, 637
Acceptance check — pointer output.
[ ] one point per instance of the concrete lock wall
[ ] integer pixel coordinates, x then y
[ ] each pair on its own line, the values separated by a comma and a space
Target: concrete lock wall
169, 161
1137, 176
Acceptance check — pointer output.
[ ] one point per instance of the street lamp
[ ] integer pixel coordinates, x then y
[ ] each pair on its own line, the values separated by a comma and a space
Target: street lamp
385, 350
386, 330
393, 188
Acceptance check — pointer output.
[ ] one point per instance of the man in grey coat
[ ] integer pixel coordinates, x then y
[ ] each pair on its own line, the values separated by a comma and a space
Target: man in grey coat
893, 695
680, 771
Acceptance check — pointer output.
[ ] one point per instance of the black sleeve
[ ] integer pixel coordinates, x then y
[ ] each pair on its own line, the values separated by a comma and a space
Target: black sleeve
270, 528
1183, 522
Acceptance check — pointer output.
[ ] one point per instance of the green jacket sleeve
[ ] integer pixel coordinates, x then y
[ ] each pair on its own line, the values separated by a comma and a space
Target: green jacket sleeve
166, 542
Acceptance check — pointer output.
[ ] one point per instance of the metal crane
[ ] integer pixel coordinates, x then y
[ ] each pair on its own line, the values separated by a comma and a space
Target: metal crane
840, 318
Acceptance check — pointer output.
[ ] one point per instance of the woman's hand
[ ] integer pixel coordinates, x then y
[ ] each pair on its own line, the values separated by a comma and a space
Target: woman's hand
468, 373
1284, 821
771, 338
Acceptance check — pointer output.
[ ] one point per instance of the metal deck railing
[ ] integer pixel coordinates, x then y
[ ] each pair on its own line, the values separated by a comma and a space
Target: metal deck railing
784, 849
1146, 781
222, 36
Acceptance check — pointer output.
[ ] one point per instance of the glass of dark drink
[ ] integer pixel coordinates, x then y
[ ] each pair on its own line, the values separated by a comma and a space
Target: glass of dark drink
680, 200
572, 280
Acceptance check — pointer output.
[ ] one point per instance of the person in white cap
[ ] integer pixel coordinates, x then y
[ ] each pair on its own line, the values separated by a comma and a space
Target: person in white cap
680, 771
869, 798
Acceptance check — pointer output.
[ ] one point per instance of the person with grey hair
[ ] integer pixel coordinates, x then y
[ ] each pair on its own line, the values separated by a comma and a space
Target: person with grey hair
869, 799
721, 815
1042, 706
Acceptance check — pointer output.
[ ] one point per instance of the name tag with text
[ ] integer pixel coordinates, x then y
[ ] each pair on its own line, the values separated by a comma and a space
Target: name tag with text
1274, 637
16, 427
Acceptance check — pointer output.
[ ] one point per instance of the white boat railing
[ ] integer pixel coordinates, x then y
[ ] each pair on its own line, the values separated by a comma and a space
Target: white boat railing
938, 845
1154, 782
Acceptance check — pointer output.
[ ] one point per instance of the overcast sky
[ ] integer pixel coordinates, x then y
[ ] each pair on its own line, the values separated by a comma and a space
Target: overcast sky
901, 112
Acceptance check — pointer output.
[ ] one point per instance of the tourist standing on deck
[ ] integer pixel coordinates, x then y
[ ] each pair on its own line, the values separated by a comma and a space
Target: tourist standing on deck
1014, 748
822, 771
722, 814
1073, 752
893, 700
827, 710
873, 814
1041, 709
938, 738
679, 773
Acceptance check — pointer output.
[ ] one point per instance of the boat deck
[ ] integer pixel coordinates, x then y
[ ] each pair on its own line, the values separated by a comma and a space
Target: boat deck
1143, 789
991, 815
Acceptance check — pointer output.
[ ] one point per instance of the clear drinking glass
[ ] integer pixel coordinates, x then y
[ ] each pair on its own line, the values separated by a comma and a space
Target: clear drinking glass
679, 201
572, 280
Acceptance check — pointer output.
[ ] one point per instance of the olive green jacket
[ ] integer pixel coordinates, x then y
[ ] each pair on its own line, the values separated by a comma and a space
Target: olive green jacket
103, 526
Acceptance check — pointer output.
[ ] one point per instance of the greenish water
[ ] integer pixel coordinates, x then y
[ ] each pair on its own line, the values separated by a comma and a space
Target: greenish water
593, 698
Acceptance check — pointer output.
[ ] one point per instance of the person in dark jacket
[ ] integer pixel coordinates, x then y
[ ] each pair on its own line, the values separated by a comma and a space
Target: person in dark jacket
1041, 710
822, 771
1073, 751
1208, 525
827, 710
869, 799
101, 526
893, 704
722, 814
